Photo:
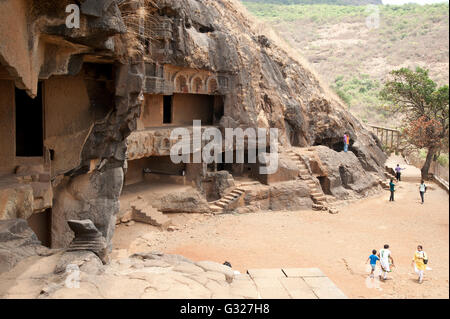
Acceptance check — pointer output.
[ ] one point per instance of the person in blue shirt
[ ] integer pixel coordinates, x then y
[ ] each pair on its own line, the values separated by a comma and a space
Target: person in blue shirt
373, 262
392, 189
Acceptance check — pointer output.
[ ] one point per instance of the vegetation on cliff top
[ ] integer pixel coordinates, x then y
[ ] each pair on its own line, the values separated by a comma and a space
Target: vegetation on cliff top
355, 59
335, 2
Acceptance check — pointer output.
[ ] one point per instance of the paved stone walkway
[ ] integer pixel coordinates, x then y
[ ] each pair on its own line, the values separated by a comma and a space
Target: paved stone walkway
294, 283
156, 276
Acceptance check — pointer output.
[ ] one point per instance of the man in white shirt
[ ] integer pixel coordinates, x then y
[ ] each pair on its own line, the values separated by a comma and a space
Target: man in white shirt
423, 190
386, 261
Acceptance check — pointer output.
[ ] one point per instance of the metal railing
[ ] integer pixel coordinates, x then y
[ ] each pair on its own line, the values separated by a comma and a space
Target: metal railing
389, 137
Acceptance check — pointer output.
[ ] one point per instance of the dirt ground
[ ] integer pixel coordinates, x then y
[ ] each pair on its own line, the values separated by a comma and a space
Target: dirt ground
337, 244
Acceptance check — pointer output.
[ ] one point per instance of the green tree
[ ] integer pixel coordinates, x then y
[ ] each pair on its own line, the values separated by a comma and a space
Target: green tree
420, 101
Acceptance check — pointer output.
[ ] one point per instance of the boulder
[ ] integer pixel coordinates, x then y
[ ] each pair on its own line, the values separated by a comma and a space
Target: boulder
216, 267
187, 202
345, 174
87, 238
17, 242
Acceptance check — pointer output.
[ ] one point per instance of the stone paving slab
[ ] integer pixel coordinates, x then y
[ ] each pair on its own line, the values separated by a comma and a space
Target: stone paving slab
293, 283
266, 273
319, 282
329, 293
303, 272
324, 288
244, 287
271, 288
297, 288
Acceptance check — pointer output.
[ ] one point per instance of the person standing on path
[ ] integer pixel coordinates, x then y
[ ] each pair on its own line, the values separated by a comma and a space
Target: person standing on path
386, 261
392, 189
420, 262
346, 142
373, 262
398, 172
423, 190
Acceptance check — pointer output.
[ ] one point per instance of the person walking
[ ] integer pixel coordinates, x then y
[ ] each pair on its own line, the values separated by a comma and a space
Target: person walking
398, 172
420, 262
373, 262
346, 142
386, 261
423, 190
392, 189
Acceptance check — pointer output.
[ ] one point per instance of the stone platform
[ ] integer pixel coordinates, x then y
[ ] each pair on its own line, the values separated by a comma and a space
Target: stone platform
294, 283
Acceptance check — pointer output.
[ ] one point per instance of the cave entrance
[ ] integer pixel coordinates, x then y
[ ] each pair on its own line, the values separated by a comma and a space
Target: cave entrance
190, 107
335, 144
167, 109
242, 172
325, 184
41, 224
29, 124
153, 178
155, 169
219, 109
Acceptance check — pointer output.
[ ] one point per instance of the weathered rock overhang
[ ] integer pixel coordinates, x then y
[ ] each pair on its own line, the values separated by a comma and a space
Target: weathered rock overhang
83, 147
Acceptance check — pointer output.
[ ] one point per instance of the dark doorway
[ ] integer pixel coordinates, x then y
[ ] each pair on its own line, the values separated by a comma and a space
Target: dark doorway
218, 108
167, 113
29, 124
325, 184
41, 224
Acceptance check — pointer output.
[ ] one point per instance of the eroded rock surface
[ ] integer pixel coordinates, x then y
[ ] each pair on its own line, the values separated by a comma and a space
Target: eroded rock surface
146, 275
17, 241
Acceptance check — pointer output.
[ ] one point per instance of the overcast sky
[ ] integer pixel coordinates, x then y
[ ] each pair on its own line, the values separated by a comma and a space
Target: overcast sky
414, 1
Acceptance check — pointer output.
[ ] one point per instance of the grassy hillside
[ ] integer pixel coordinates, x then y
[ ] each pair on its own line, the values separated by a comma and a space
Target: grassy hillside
355, 57
335, 2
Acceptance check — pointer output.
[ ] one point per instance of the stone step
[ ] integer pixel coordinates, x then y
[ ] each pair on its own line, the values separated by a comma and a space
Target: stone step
318, 207
317, 194
144, 212
226, 200
139, 204
152, 217
333, 210
215, 208
221, 204
319, 200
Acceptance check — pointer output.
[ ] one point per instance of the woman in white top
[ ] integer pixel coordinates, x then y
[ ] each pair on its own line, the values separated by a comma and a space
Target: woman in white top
423, 190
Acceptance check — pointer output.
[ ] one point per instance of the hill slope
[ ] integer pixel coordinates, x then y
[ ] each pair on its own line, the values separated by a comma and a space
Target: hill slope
336, 2
353, 56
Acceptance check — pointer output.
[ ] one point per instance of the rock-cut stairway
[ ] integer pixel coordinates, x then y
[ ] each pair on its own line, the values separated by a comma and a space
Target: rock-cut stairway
317, 195
225, 202
144, 212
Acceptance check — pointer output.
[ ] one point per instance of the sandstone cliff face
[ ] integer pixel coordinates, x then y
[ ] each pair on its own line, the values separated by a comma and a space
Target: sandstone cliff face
87, 165
268, 88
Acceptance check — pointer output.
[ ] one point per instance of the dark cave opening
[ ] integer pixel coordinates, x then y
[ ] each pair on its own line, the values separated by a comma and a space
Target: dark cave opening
29, 124
325, 184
